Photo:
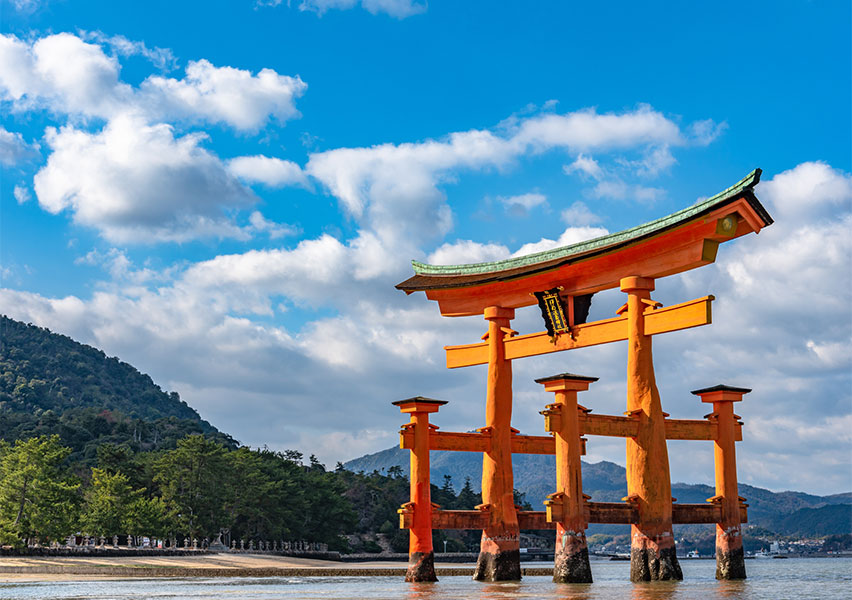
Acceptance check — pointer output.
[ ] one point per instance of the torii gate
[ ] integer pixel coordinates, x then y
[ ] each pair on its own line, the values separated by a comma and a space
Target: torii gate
562, 281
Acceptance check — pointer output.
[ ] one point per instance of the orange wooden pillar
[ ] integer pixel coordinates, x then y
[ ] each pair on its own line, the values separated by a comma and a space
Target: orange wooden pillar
566, 506
652, 552
730, 560
421, 556
499, 552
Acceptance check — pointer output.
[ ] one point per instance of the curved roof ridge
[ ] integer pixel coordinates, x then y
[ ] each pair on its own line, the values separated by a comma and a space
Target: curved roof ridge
745, 184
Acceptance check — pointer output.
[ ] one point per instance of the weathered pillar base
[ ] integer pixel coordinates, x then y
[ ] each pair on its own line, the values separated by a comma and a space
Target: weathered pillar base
498, 566
730, 564
654, 559
421, 567
572, 563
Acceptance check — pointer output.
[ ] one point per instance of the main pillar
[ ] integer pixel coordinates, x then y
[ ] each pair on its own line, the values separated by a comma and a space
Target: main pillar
421, 556
652, 546
730, 560
499, 550
566, 506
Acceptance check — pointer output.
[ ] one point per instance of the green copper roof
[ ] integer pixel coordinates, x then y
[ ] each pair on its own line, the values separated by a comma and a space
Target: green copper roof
745, 185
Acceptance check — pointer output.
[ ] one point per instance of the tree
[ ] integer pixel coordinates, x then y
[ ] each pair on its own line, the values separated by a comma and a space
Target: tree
189, 477
107, 502
467, 498
38, 500
149, 516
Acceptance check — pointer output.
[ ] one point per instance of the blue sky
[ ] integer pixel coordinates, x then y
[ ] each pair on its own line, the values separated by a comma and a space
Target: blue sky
224, 193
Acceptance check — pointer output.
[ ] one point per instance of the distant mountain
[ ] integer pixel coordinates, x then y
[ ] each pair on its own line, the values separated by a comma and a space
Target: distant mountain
51, 384
797, 512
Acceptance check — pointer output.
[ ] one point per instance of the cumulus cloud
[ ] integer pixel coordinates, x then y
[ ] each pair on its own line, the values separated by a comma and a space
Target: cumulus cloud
71, 76
273, 172
135, 182
223, 95
13, 148
387, 184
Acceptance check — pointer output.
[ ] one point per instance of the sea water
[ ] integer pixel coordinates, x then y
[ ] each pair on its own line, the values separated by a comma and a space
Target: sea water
795, 578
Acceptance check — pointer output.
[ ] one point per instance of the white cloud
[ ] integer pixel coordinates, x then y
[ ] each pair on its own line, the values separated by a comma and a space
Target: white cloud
13, 148
811, 190
385, 185
261, 224
521, 205
586, 165
22, 194
62, 72
588, 130
71, 76
656, 160
467, 252
579, 215
27, 6
572, 235
619, 190
273, 172
162, 58
399, 9
223, 95
704, 132
139, 183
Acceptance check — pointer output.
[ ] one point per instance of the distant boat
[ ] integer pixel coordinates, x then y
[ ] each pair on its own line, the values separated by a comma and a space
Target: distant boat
693, 554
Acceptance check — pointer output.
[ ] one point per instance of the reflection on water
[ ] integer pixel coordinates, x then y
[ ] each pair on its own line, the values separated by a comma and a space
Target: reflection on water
768, 580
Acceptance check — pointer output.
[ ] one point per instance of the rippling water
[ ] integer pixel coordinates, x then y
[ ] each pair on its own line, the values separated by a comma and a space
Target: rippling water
768, 580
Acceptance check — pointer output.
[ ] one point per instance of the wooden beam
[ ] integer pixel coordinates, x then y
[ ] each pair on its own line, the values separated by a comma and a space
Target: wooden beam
446, 440
479, 442
608, 425
533, 444
596, 512
702, 513
612, 512
694, 313
534, 519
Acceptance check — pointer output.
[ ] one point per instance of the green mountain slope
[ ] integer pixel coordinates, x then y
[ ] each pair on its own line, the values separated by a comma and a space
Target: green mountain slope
51, 384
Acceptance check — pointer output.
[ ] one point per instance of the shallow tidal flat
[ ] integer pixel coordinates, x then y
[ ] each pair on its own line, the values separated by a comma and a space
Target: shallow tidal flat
222, 576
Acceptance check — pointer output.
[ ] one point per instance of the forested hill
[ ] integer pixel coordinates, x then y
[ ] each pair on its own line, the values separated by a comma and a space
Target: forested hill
51, 384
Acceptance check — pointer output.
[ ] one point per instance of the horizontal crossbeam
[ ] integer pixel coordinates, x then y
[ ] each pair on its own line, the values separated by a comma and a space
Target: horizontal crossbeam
676, 429
662, 320
596, 512
479, 442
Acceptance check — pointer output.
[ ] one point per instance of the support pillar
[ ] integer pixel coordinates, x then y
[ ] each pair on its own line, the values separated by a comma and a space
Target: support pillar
566, 506
499, 551
730, 560
421, 555
652, 551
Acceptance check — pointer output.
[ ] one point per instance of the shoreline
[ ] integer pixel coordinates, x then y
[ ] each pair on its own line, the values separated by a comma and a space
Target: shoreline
212, 565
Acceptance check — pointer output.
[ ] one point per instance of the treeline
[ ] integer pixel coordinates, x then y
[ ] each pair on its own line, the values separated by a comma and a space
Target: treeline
200, 489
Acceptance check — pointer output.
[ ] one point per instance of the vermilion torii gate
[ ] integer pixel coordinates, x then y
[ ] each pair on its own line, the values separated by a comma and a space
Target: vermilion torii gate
562, 281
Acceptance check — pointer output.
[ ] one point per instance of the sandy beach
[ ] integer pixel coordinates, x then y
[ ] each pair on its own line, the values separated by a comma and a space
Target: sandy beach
17, 569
